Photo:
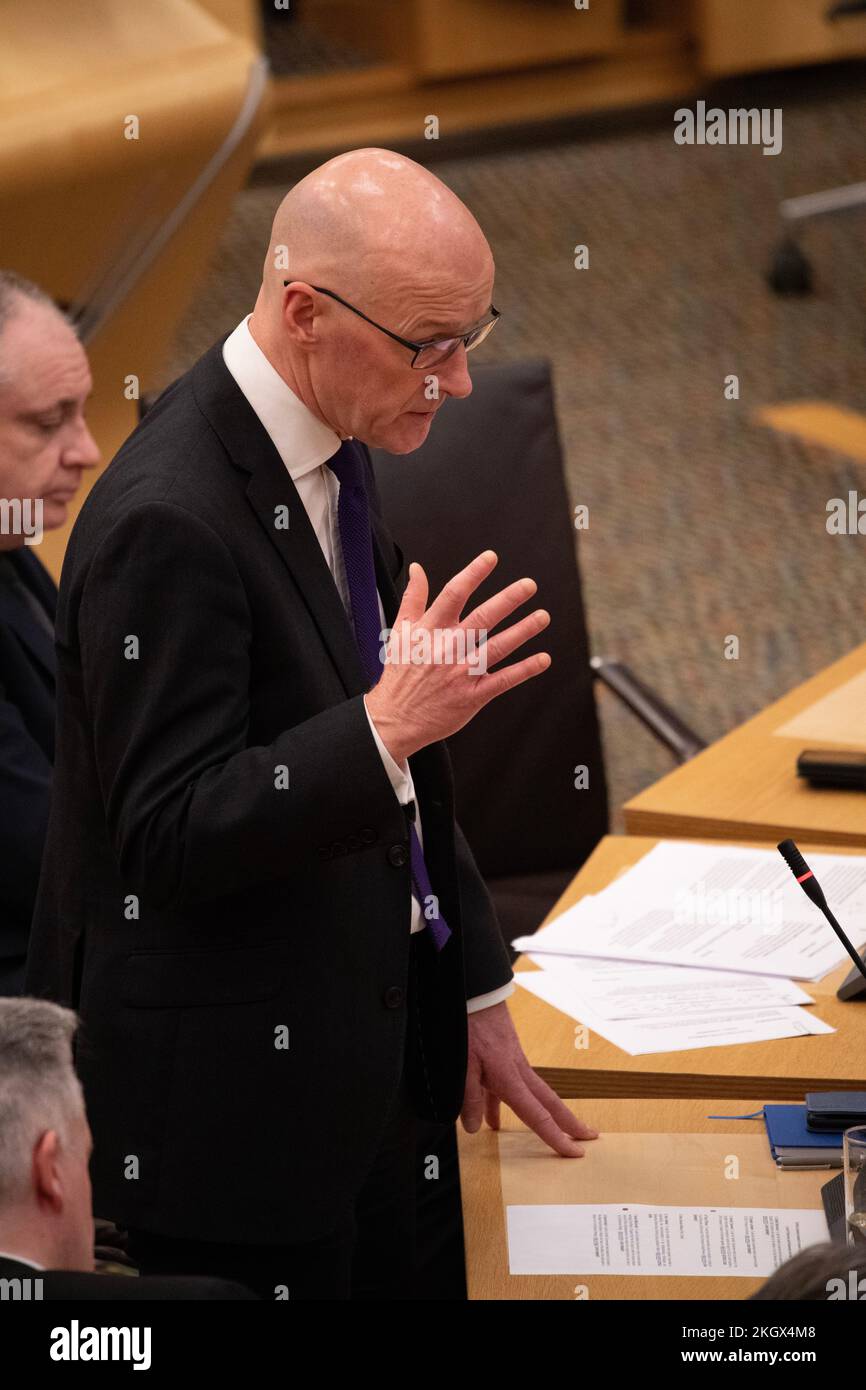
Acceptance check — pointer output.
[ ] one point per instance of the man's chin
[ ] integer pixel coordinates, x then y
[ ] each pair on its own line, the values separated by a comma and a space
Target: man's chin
55, 511
407, 432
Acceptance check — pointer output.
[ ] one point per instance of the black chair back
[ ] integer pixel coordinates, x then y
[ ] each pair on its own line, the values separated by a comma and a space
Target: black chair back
490, 475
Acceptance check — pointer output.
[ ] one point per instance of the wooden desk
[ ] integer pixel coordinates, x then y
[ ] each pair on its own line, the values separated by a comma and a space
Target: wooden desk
487, 1273
787, 1066
745, 786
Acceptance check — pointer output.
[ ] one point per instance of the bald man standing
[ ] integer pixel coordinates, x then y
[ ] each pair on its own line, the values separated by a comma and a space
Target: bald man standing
254, 889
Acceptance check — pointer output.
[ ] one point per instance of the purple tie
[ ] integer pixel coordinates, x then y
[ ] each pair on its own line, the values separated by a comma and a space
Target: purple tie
356, 539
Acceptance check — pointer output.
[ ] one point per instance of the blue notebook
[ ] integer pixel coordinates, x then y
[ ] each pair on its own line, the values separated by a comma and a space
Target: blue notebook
794, 1146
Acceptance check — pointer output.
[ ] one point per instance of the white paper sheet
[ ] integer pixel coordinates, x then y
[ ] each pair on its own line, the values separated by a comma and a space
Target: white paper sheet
640, 1036
642, 1239
717, 907
633, 989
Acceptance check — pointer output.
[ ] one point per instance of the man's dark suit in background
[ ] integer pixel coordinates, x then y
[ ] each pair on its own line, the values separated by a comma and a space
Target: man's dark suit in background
27, 604
225, 893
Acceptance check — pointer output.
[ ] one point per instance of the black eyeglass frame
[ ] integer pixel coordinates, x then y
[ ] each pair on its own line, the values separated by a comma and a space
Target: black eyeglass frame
417, 348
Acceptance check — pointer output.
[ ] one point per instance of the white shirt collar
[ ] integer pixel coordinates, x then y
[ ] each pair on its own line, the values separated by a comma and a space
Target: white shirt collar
300, 438
19, 1259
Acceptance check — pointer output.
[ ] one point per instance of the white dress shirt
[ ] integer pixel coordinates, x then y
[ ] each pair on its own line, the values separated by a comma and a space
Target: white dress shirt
22, 1259
305, 444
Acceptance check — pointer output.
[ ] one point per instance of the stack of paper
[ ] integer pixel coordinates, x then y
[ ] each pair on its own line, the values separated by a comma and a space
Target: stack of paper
670, 1008
694, 946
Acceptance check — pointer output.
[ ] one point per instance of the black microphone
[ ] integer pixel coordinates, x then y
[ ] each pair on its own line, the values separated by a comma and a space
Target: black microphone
813, 890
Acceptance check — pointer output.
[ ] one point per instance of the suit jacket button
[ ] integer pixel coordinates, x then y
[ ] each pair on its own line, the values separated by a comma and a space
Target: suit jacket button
393, 997
368, 835
397, 855
339, 847
354, 841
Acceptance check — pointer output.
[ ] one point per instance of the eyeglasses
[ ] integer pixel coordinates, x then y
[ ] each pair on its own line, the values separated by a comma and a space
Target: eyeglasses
433, 351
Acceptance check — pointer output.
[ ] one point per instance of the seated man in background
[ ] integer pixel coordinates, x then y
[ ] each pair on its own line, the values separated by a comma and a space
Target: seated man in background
45, 446
46, 1226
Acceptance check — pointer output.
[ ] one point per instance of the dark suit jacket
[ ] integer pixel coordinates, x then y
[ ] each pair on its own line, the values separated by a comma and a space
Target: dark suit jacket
190, 906
26, 749
71, 1285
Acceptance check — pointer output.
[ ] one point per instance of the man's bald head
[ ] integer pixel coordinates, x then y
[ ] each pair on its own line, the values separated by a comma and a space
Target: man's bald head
368, 219
392, 239
17, 295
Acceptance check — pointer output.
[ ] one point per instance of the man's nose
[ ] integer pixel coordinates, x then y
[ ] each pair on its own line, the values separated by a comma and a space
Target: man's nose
84, 450
454, 375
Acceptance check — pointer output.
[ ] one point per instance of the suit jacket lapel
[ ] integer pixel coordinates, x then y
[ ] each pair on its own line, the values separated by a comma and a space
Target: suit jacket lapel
15, 615
272, 493
270, 488
34, 574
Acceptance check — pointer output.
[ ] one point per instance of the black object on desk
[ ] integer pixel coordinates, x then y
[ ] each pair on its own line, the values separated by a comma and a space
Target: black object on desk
854, 983
835, 1110
825, 767
833, 1198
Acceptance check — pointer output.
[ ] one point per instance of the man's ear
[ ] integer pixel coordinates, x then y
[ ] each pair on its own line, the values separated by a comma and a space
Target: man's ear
299, 313
47, 1186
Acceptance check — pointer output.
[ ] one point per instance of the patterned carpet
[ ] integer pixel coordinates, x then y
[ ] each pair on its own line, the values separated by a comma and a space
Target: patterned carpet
702, 522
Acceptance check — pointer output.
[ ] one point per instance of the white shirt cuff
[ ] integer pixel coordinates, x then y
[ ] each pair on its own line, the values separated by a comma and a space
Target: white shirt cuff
486, 1001
398, 775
